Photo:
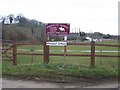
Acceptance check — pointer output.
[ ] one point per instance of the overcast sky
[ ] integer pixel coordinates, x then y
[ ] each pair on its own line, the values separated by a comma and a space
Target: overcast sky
88, 15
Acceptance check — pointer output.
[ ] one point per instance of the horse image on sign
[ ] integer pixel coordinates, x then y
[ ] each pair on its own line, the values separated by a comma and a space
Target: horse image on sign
62, 29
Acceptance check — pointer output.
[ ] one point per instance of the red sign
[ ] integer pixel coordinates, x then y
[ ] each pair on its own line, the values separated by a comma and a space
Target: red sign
57, 29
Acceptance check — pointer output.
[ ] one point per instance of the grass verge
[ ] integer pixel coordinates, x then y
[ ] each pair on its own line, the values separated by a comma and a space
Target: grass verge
59, 72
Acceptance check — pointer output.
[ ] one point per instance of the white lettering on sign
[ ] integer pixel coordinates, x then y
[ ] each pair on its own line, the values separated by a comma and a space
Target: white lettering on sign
56, 43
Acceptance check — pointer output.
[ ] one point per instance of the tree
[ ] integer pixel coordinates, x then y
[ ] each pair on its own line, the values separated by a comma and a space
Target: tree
22, 20
3, 20
82, 34
11, 19
22, 29
108, 36
32, 30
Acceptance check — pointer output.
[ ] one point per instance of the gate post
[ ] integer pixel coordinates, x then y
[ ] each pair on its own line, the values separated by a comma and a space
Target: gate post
14, 53
92, 53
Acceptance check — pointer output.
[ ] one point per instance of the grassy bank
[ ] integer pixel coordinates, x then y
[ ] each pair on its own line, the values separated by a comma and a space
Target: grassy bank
59, 72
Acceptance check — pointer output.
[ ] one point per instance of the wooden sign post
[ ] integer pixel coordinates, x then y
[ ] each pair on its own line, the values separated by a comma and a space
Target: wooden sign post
65, 49
55, 29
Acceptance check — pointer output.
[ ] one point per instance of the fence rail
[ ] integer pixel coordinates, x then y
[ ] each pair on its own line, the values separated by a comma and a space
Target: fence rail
89, 44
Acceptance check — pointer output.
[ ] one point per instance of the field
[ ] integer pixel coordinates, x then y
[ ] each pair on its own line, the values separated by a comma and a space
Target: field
61, 67
71, 49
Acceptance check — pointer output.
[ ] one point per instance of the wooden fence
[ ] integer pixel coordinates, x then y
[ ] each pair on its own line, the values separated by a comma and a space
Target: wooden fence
46, 53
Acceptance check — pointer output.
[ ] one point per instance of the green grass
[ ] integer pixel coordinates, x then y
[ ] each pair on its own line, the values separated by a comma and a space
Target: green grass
59, 72
63, 68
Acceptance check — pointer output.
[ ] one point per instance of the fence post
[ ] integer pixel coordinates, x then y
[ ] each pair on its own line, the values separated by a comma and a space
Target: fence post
92, 53
14, 53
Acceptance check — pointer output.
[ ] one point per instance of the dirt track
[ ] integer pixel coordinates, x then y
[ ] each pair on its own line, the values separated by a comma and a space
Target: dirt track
41, 84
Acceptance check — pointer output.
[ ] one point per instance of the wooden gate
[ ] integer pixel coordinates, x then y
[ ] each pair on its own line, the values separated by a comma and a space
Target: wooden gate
9, 51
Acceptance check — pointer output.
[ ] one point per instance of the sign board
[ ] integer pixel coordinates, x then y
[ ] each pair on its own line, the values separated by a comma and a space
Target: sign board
57, 29
56, 43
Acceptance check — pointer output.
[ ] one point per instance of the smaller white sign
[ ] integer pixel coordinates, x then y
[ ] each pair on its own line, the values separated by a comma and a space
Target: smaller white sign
65, 38
56, 43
